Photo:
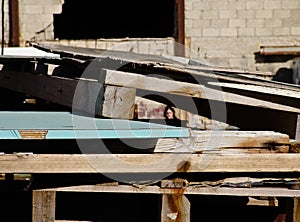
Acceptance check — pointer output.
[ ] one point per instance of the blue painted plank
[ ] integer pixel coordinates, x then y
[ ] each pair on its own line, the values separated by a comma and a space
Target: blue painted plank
64, 125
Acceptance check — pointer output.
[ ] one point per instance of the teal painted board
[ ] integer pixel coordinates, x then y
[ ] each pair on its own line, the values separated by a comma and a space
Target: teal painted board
65, 125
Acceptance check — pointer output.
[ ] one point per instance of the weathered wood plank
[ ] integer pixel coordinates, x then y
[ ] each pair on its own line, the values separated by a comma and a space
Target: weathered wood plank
162, 65
148, 163
175, 207
280, 96
226, 141
193, 190
87, 96
125, 79
43, 206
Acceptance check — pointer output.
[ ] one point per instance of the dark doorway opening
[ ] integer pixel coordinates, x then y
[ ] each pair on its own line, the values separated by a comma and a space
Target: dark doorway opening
94, 19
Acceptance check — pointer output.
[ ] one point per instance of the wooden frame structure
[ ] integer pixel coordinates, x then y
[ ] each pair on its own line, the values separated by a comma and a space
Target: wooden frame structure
175, 205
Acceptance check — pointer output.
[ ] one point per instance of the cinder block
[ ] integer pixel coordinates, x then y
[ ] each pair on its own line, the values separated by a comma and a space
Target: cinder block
210, 14
273, 23
281, 13
254, 4
266, 13
218, 4
273, 4
201, 5
237, 5
220, 23
237, 23
295, 31
210, 32
33, 9
282, 31
228, 32
246, 32
292, 4
245, 14
194, 14
195, 32
255, 23
202, 23
228, 14
263, 31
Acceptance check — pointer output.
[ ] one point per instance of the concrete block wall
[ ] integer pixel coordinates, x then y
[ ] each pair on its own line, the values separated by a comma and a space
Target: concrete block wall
222, 32
157, 46
36, 19
228, 32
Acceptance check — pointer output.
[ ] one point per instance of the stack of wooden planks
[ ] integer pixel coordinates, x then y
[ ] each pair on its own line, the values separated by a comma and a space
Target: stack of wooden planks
104, 84
83, 101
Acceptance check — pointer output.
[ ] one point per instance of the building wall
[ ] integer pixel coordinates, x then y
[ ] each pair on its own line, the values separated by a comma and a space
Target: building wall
222, 32
36, 24
228, 32
36, 19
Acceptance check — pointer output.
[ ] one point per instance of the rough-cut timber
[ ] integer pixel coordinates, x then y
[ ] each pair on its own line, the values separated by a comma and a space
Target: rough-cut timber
148, 163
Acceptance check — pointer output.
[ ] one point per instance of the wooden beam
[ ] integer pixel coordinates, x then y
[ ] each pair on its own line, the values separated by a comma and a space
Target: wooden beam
190, 190
43, 206
133, 80
87, 96
175, 207
226, 141
280, 96
148, 163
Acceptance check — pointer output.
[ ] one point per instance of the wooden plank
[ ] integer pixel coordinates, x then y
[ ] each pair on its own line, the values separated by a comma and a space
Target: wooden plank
65, 125
162, 65
186, 74
125, 79
226, 141
43, 206
175, 208
192, 190
280, 96
148, 163
271, 201
88, 96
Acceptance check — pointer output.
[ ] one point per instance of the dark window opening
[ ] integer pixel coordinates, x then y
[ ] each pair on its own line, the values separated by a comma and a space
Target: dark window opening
94, 19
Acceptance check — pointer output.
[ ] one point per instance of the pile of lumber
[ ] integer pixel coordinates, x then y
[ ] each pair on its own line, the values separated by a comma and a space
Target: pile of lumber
105, 84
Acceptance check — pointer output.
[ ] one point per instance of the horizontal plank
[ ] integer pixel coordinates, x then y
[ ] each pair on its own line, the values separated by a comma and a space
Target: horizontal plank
193, 190
86, 96
226, 141
65, 125
148, 163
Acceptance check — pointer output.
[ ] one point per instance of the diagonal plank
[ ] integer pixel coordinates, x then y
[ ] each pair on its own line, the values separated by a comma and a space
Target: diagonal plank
132, 80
